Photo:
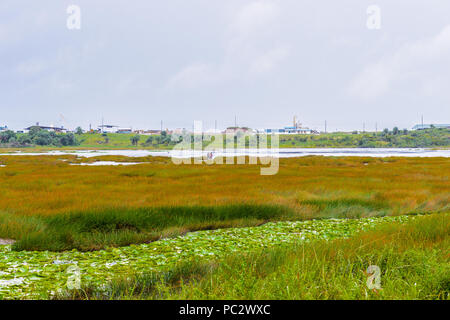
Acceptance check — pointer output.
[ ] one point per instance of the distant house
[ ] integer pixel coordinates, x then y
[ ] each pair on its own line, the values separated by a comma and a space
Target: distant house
429, 126
124, 130
107, 128
4, 128
296, 128
48, 128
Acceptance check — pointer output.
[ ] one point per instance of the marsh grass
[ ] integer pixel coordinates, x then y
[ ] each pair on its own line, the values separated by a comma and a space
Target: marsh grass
413, 259
45, 185
93, 230
46, 203
346, 208
143, 285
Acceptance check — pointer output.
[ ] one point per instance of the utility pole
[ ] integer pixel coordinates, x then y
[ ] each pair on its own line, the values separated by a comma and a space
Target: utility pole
422, 121
364, 127
376, 127
161, 125
325, 126
103, 127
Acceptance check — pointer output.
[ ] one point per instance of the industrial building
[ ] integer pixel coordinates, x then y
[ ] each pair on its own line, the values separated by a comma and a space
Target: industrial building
107, 128
124, 130
296, 128
48, 128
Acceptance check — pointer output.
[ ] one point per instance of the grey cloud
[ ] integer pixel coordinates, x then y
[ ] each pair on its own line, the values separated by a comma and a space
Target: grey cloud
139, 62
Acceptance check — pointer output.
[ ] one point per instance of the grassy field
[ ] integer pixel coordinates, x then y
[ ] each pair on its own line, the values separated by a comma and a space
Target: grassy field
48, 204
52, 206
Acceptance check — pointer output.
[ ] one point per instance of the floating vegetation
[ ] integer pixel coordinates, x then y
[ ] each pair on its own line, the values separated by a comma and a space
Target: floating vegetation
41, 274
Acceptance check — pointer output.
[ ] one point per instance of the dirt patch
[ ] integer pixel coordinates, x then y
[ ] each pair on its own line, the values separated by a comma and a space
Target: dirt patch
6, 241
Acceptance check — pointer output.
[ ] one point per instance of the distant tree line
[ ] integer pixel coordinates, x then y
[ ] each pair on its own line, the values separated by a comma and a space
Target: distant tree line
37, 136
396, 138
164, 139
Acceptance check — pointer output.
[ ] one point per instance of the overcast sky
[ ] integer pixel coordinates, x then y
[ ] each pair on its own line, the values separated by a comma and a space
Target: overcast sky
139, 62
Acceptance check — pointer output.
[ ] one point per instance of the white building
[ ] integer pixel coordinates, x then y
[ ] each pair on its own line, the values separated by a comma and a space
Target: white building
51, 128
108, 128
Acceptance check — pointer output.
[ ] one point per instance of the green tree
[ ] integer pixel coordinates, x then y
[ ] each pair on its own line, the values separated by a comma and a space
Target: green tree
395, 131
42, 138
135, 140
68, 140
24, 140
7, 136
78, 131
34, 131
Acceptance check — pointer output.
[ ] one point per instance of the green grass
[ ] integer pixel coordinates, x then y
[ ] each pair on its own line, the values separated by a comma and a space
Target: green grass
346, 208
97, 229
413, 259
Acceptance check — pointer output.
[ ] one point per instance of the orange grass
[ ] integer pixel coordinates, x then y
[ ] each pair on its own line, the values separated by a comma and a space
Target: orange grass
313, 186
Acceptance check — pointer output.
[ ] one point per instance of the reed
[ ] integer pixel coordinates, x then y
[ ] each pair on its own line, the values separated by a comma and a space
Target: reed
93, 230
